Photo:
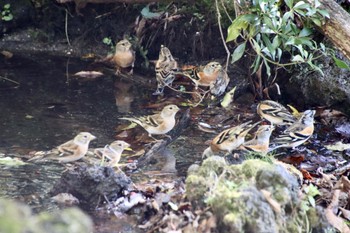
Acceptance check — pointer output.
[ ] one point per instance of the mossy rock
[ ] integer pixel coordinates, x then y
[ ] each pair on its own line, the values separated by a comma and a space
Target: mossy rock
234, 193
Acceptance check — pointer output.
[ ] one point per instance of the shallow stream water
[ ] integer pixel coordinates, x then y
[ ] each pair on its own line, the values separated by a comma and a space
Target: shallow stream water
49, 106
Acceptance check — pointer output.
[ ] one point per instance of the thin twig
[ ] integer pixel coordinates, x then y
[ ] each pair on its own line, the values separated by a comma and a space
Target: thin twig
66, 28
222, 34
10, 80
227, 14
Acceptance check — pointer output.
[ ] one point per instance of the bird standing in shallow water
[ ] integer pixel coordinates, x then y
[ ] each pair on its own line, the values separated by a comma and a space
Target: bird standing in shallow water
275, 113
229, 139
75, 149
297, 133
261, 140
157, 124
124, 56
211, 75
70, 151
166, 67
113, 151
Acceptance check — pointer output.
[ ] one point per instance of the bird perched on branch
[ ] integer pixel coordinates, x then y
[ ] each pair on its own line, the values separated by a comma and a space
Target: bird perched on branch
211, 75
157, 124
260, 142
229, 139
113, 151
297, 133
275, 113
166, 68
70, 151
124, 56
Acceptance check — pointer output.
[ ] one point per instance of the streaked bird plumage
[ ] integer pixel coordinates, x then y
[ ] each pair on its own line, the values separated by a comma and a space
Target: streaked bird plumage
229, 139
157, 124
166, 68
260, 142
297, 133
275, 113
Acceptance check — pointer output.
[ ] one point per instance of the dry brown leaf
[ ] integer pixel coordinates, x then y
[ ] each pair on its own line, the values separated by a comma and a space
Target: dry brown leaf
335, 221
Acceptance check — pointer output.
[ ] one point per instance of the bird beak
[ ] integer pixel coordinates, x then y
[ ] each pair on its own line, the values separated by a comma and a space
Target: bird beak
127, 147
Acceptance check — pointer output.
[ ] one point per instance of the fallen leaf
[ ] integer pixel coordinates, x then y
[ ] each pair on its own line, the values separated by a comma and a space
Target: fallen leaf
88, 74
295, 111
7, 161
335, 221
339, 146
306, 174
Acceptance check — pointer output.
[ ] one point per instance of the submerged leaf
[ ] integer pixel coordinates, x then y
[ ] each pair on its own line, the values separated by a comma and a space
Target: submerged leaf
339, 146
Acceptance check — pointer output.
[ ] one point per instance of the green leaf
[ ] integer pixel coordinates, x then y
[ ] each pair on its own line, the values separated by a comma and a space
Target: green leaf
268, 69
240, 23
305, 32
269, 46
312, 201
238, 53
340, 63
298, 58
317, 3
7, 6
257, 47
8, 17
324, 13
289, 3
301, 5
256, 64
146, 13
316, 21
288, 15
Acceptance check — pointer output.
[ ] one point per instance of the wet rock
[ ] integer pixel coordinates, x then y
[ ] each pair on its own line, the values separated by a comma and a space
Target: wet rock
332, 89
254, 196
90, 184
17, 218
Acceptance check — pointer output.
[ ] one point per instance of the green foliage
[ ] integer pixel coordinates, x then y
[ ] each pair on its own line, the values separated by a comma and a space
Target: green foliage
309, 199
278, 28
6, 14
108, 41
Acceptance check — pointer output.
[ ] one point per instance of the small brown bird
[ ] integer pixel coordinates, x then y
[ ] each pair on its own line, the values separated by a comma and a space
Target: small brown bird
229, 139
297, 133
260, 142
75, 149
165, 68
275, 113
70, 151
124, 56
157, 124
211, 75
113, 151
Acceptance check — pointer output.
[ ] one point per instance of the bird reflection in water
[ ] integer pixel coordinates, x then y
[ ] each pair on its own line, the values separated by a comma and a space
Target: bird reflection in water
123, 95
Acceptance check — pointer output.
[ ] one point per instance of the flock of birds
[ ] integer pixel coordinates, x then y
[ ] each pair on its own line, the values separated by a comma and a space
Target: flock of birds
298, 129
212, 75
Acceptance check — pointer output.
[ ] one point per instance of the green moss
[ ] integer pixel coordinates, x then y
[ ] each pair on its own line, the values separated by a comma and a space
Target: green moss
233, 193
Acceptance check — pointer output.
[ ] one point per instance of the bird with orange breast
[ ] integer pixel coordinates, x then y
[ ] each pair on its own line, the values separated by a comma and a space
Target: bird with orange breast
212, 75
124, 56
